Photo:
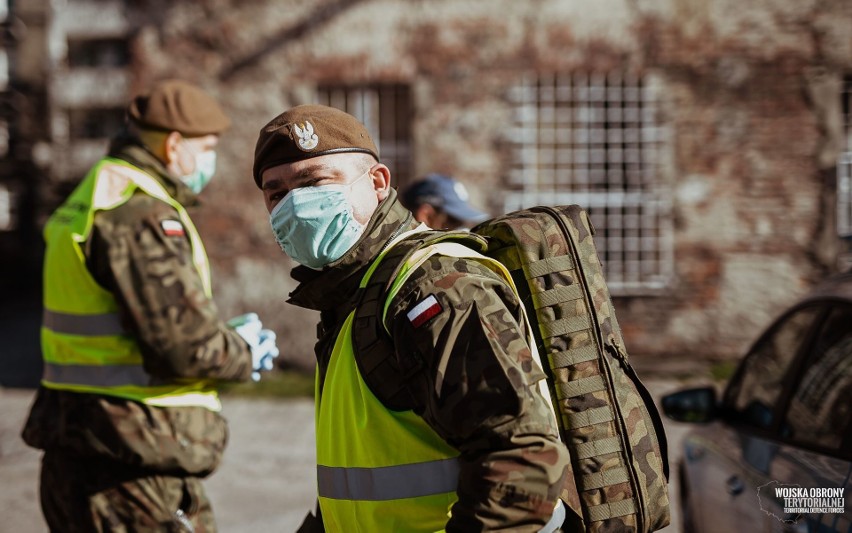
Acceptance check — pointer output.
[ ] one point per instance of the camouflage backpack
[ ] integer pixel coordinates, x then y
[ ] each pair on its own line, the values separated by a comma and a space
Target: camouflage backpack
607, 418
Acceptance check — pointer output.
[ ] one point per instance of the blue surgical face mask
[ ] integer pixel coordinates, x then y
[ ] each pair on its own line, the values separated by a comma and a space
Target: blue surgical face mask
205, 167
315, 226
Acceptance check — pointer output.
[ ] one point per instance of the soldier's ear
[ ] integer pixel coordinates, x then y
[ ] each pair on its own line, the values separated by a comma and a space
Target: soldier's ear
425, 213
170, 147
381, 176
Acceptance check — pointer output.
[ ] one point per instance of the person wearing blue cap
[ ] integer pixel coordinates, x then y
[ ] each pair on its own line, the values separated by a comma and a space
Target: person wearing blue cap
441, 202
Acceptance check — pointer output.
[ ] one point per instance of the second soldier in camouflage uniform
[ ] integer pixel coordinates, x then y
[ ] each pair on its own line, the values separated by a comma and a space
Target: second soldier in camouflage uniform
114, 461
474, 382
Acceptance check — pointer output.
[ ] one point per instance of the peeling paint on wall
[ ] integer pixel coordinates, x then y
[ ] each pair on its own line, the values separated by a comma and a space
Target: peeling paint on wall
749, 99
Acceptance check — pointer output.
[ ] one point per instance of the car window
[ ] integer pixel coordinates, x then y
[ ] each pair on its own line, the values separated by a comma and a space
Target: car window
821, 406
759, 383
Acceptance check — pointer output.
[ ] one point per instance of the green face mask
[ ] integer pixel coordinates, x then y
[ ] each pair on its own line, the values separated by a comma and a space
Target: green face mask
205, 167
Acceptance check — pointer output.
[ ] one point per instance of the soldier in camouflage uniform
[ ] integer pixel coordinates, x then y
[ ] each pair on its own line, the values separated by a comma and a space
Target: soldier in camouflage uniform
454, 323
121, 455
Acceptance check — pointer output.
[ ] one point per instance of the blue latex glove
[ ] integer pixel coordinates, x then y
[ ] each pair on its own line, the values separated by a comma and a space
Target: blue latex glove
261, 341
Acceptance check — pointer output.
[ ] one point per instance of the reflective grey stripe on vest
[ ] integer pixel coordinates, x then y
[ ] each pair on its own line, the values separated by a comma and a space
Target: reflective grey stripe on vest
388, 482
87, 325
96, 375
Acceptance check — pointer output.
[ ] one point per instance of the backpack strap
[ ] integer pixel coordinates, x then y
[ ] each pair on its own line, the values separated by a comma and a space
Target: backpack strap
455, 249
388, 376
390, 379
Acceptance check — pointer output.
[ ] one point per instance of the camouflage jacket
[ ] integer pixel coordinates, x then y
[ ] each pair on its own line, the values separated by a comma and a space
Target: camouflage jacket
162, 300
481, 395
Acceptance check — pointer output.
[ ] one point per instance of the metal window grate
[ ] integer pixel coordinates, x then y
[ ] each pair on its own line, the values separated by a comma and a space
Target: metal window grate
95, 123
98, 52
844, 168
386, 111
594, 140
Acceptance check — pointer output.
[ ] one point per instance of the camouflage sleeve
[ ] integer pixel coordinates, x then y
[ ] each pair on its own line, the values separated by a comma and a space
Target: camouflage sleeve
141, 253
466, 325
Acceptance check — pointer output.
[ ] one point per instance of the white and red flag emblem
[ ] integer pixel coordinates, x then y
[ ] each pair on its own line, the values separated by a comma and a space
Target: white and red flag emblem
172, 228
424, 310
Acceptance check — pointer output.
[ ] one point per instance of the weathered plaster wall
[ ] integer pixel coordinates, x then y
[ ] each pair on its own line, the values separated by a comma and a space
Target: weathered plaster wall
747, 98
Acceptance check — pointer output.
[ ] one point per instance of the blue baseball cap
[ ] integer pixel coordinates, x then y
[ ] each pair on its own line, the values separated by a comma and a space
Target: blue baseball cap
444, 193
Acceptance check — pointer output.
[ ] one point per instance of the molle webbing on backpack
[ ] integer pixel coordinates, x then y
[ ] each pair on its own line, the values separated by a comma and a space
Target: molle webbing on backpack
607, 419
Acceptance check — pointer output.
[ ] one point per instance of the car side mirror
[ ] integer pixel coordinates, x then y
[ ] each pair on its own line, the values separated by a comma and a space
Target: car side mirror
691, 405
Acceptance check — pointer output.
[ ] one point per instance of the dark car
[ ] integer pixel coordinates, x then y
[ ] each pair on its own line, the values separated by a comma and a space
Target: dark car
761, 457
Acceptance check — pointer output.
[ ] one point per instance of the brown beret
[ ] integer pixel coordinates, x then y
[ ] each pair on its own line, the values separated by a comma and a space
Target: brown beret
307, 131
176, 105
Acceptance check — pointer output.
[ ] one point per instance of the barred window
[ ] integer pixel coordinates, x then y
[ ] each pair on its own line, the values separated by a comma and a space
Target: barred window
4, 70
95, 123
593, 140
8, 208
844, 168
387, 112
105, 52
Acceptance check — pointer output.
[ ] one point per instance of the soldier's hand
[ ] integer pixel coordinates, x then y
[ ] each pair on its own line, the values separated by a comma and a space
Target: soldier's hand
260, 340
263, 358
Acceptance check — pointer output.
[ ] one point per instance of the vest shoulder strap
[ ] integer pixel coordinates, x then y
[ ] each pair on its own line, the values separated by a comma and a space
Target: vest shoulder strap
115, 183
112, 187
392, 380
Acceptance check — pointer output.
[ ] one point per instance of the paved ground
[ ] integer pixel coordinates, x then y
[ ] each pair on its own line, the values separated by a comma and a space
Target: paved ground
266, 482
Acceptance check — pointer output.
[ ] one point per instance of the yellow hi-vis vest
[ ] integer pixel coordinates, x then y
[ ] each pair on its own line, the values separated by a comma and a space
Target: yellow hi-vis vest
84, 346
380, 470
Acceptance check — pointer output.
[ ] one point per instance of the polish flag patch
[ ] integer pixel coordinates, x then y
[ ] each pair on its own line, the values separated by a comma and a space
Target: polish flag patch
172, 228
424, 310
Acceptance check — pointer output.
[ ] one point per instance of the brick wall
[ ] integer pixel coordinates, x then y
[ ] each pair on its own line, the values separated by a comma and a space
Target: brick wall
747, 162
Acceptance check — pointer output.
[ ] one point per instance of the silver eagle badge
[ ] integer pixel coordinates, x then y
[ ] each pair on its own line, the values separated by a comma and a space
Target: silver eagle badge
306, 138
